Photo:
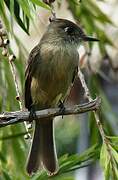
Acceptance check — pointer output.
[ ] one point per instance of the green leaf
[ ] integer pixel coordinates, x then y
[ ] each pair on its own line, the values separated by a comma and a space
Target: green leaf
3, 14
69, 163
2, 157
16, 12
6, 176
114, 141
115, 154
25, 7
109, 161
41, 4
97, 13
17, 16
19, 151
104, 158
108, 171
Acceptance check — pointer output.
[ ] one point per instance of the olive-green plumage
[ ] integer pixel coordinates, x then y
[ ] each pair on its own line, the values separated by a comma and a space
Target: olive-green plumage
52, 67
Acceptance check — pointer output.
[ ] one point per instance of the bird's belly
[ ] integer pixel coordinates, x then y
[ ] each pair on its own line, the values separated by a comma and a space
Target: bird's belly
52, 84
47, 93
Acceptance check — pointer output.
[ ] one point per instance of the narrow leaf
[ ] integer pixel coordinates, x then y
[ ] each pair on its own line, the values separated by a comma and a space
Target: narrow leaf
41, 4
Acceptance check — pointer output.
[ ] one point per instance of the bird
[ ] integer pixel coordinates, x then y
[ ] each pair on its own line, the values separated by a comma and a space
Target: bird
50, 73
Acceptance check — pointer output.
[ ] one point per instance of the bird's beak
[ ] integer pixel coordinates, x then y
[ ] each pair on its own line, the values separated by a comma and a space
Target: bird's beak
88, 38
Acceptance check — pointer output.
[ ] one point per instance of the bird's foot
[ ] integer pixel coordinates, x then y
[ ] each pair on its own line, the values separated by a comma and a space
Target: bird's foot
62, 108
32, 114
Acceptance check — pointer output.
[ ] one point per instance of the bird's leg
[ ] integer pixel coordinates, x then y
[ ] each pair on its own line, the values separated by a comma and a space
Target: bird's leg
32, 114
62, 107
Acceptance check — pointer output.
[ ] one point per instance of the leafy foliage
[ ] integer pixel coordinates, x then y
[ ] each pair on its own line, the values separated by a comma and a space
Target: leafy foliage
92, 18
21, 11
109, 161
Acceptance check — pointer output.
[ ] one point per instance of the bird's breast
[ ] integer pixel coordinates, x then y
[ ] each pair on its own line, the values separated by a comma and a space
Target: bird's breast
53, 77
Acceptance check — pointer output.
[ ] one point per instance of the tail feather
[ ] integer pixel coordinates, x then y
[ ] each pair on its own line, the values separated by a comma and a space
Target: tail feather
34, 155
49, 158
43, 148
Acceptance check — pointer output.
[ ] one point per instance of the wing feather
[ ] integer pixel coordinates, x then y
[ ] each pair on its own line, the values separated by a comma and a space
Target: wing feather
34, 57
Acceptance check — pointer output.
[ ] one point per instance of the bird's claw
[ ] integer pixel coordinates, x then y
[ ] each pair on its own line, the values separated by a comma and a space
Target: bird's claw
32, 114
62, 108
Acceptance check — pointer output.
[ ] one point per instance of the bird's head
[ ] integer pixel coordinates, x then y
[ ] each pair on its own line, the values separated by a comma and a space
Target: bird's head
68, 32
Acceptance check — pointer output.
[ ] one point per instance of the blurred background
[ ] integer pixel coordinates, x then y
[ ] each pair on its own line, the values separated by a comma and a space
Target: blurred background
77, 137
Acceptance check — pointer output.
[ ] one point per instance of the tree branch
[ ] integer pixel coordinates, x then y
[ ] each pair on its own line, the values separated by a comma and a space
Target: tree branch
9, 118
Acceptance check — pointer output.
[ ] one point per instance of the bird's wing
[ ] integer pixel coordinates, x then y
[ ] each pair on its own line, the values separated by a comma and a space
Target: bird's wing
69, 88
34, 58
75, 74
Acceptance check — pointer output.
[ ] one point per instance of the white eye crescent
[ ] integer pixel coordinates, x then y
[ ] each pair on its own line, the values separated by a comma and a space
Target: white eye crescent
69, 29
66, 29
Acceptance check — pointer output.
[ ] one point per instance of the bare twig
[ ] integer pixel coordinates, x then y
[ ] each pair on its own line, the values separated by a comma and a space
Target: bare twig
96, 115
4, 44
88, 96
9, 118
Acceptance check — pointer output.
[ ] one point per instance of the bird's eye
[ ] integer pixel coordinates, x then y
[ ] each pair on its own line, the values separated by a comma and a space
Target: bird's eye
68, 30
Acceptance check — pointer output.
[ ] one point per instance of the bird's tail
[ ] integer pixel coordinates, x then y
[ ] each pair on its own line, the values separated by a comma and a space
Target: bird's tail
43, 148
